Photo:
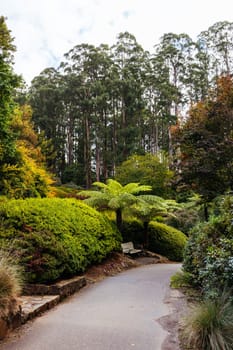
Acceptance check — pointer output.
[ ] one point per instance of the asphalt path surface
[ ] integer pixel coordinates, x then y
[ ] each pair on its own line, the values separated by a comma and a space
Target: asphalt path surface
118, 313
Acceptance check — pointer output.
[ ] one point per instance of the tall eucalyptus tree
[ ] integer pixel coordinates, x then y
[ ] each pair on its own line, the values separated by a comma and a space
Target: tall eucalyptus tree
45, 97
129, 59
218, 39
87, 70
8, 83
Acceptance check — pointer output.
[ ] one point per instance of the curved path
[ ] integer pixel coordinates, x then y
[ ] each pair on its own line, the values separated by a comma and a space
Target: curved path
118, 313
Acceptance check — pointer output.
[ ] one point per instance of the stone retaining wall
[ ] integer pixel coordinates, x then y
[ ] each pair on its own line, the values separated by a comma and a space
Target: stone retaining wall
36, 299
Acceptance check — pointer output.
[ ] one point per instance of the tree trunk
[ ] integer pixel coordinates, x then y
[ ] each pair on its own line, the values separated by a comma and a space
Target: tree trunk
146, 236
119, 219
87, 156
206, 212
97, 152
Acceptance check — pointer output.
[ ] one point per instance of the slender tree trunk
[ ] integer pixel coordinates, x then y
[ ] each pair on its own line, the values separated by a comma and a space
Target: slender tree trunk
206, 212
70, 141
97, 152
87, 152
146, 236
119, 219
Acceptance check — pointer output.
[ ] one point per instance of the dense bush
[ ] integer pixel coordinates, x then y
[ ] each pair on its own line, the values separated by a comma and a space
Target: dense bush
184, 219
55, 237
166, 240
209, 252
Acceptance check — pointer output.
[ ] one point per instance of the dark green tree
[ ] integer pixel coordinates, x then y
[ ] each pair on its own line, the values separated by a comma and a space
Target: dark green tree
45, 97
205, 144
148, 170
8, 82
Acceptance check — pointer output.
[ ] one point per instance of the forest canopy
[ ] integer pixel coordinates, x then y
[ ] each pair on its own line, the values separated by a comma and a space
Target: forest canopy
104, 104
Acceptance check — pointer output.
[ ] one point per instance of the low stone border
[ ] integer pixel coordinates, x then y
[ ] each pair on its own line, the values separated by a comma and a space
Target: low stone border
37, 299
63, 288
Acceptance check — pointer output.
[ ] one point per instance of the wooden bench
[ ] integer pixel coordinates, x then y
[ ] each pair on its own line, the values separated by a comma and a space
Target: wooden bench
128, 248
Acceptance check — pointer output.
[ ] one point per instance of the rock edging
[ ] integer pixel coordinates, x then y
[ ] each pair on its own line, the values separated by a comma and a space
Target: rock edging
37, 299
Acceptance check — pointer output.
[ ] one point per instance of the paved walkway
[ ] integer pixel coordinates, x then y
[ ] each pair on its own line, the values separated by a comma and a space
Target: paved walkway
118, 313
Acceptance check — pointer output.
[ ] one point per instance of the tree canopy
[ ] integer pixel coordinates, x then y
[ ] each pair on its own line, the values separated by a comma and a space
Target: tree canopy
104, 104
205, 143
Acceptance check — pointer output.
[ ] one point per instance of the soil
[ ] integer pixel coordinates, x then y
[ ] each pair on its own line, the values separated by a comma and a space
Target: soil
109, 267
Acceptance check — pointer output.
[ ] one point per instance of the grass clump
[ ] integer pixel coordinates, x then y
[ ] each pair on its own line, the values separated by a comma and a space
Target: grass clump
209, 325
181, 279
10, 283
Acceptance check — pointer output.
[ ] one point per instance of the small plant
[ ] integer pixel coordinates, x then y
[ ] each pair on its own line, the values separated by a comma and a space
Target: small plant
181, 279
10, 282
209, 326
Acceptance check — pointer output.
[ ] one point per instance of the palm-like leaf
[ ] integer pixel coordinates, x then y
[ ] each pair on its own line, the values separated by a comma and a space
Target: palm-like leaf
113, 195
135, 188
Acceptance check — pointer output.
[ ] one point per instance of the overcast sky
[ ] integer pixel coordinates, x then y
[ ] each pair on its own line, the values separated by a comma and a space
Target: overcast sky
46, 29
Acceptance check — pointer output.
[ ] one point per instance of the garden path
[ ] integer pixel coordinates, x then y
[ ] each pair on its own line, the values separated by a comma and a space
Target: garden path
118, 313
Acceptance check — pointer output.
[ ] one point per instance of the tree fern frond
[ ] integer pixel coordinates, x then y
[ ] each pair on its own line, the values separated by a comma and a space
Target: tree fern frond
151, 199
99, 184
136, 188
113, 184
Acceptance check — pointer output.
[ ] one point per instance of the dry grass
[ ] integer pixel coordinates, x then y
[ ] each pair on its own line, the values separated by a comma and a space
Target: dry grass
10, 283
209, 325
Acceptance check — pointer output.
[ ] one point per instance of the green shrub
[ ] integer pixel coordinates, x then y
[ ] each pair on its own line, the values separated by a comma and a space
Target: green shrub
166, 240
209, 326
54, 237
10, 282
208, 254
184, 219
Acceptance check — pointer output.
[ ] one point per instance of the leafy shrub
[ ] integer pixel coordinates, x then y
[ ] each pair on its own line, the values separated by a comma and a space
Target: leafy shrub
166, 240
183, 220
209, 252
55, 237
10, 282
209, 326
147, 170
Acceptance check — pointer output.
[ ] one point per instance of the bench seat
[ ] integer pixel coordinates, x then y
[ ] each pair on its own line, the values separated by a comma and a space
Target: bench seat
128, 248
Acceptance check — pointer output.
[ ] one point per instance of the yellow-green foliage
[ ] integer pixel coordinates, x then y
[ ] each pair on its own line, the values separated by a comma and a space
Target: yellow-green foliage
28, 177
56, 237
166, 240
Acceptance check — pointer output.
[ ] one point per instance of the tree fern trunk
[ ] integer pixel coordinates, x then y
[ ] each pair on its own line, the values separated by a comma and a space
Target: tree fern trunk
119, 219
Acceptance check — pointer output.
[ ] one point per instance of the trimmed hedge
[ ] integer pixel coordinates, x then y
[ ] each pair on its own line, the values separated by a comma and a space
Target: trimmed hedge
54, 237
166, 240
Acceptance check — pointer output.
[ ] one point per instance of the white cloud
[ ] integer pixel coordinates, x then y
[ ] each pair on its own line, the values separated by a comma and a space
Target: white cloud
44, 30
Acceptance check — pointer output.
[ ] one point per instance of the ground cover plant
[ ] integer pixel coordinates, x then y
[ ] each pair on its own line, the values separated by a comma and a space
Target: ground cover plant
54, 237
